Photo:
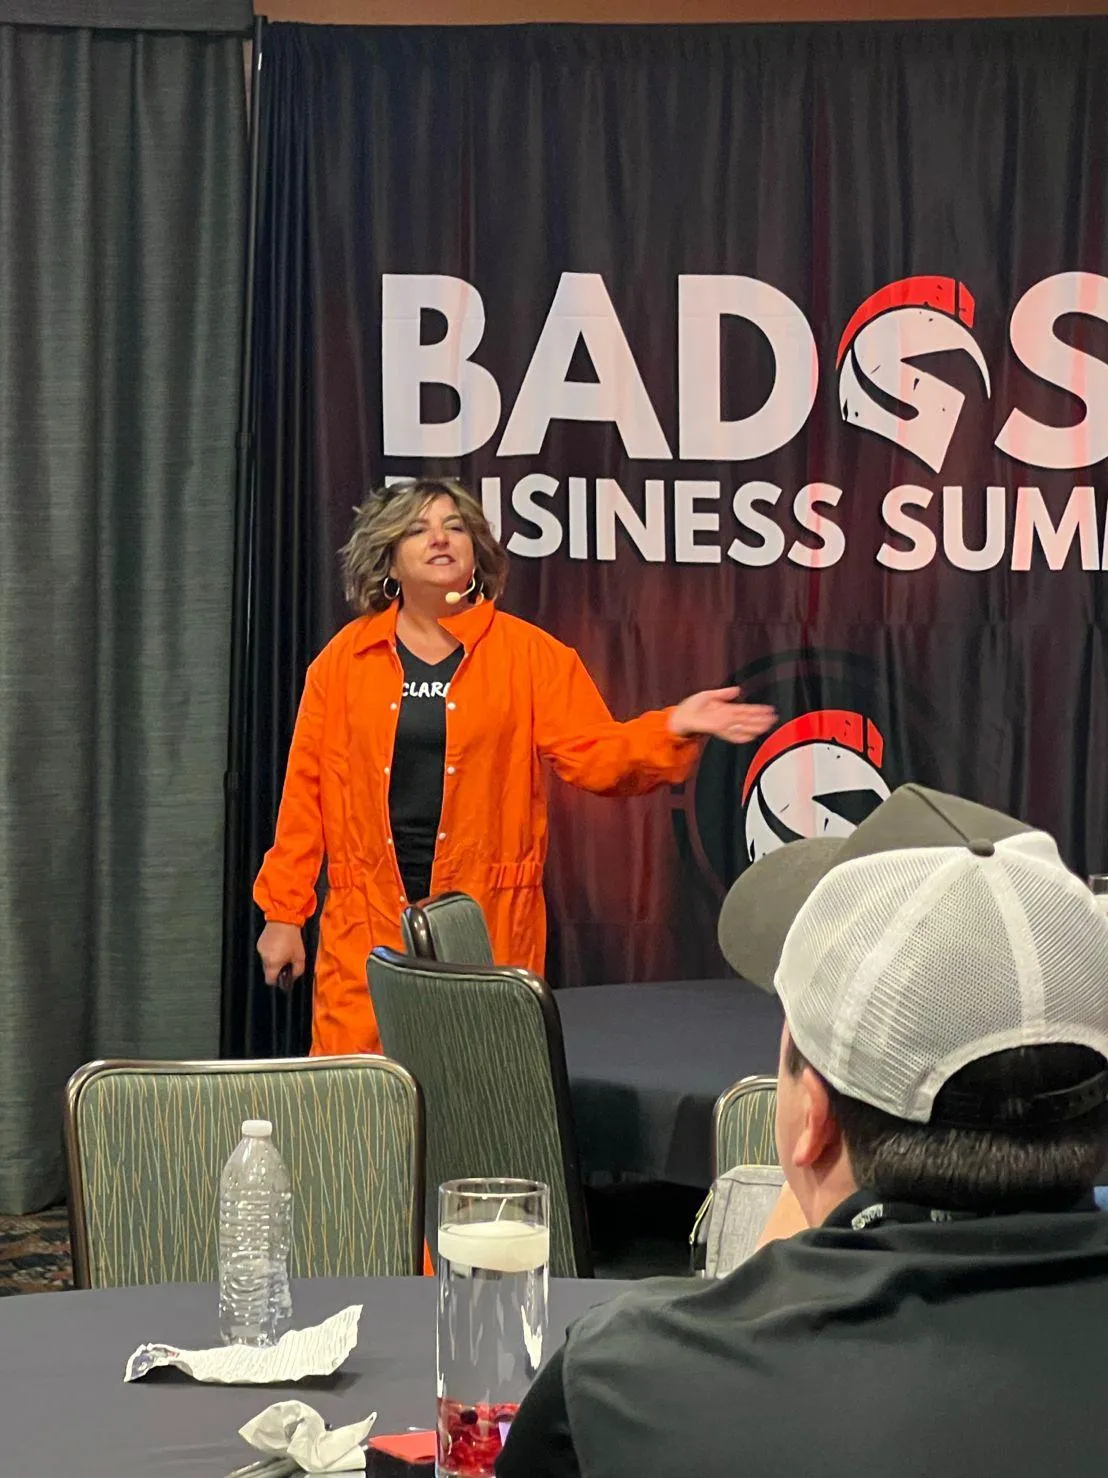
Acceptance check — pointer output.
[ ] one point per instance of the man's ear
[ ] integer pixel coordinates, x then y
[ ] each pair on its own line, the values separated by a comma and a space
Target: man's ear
819, 1134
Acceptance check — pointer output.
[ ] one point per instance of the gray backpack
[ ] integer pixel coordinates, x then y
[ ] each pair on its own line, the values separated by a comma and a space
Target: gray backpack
729, 1223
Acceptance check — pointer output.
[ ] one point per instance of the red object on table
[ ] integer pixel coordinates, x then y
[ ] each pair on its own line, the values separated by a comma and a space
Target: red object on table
413, 1447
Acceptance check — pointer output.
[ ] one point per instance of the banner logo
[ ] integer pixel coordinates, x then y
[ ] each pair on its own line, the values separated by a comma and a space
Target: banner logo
846, 740
819, 775
883, 388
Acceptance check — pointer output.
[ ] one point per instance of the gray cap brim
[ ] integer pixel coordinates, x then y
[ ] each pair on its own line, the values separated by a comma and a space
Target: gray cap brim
759, 910
765, 899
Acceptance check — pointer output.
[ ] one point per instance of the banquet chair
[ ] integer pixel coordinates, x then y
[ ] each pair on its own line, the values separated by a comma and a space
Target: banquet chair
485, 1045
450, 927
146, 1143
742, 1125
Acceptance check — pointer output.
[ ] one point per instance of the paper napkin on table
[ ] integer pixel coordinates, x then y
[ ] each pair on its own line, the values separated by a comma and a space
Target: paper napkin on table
319, 1350
296, 1431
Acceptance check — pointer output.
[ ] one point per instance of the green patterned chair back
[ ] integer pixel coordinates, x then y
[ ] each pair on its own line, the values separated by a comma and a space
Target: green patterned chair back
146, 1143
450, 928
485, 1045
742, 1125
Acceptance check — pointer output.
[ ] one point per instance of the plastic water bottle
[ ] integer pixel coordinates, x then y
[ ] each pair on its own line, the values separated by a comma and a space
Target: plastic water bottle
255, 1234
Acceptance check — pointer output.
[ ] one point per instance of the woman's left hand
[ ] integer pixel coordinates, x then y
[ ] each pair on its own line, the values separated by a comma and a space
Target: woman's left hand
717, 714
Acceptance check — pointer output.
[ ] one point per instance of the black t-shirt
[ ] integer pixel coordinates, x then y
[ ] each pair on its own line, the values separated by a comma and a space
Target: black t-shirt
415, 777
908, 1347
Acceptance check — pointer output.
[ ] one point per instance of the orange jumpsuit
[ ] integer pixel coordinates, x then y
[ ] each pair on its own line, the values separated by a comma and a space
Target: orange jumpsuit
518, 698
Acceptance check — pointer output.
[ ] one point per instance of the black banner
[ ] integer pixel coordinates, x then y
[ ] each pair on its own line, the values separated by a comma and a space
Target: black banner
777, 353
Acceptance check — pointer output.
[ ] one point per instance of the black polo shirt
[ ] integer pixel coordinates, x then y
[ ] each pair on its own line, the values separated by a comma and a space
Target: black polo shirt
967, 1348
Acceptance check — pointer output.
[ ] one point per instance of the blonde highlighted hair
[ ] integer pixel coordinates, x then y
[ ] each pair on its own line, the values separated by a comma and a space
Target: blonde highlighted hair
382, 520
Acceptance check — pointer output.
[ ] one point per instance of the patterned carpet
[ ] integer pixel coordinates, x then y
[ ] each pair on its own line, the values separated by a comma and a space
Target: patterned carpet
34, 1253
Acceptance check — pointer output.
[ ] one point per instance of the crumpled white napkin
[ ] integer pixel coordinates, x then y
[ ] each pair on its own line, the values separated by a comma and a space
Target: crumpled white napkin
295, 1430
317, 1350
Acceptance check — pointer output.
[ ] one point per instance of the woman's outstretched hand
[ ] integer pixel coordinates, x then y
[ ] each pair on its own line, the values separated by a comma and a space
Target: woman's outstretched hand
717, 714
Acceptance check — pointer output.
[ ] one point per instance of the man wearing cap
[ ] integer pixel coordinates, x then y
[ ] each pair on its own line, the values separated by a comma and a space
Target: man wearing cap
942, 1117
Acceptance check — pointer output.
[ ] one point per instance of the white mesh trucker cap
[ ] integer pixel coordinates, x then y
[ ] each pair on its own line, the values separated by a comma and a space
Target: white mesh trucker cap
934, 935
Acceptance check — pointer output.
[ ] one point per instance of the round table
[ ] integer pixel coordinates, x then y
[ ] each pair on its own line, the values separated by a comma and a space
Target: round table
646, 1064
64, 1407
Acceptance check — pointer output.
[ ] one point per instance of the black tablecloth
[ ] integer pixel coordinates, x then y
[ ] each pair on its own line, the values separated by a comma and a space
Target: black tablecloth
646, 1064
64, 1409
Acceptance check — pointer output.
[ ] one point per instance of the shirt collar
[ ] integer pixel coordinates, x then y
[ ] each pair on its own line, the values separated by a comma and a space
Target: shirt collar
865, 1208
469, 626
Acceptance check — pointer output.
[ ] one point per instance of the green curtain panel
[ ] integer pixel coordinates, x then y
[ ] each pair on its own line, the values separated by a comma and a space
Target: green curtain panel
122, 221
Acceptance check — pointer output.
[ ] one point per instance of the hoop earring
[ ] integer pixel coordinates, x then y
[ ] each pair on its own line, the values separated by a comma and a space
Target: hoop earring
390, 595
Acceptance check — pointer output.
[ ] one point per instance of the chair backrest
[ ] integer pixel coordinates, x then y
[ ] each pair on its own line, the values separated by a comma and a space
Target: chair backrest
485, 1045
450, 927
146, 1143
742, 1125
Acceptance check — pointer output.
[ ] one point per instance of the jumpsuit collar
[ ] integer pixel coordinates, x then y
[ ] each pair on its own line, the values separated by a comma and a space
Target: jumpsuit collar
468, 626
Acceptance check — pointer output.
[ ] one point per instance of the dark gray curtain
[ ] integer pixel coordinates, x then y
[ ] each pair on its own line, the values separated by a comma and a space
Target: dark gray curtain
131, 15
122, 210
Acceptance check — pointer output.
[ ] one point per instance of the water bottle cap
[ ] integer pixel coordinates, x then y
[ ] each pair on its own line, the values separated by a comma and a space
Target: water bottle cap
256, 1129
